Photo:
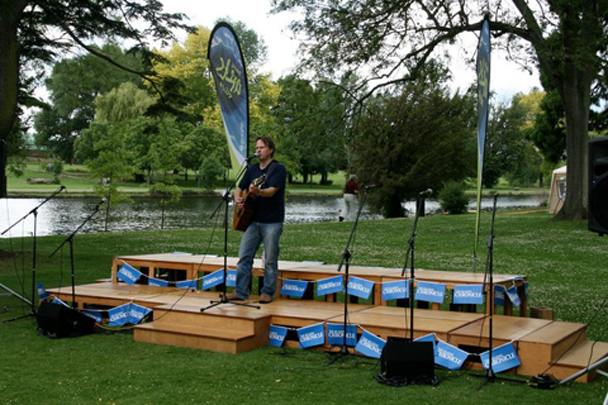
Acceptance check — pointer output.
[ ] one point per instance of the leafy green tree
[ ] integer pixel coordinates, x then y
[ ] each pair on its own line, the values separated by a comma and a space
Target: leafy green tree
73, 101
168, 194
418, 137
549, 130
35, 32
394, 39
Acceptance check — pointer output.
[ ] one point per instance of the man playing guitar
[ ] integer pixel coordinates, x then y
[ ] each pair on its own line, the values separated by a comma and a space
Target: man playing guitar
265, 183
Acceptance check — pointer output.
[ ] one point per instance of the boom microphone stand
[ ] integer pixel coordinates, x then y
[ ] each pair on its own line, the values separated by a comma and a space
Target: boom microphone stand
345, 261
34, 212
226, 202
410, 253
70, 240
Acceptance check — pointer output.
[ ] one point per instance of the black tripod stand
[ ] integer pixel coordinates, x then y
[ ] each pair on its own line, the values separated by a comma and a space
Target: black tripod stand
226, 202
489, 374
345, 261
34, 212
70, 240
410, 254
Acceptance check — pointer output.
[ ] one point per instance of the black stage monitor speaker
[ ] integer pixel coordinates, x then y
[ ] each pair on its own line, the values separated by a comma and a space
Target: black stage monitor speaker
59, 321
598, 185
414, 361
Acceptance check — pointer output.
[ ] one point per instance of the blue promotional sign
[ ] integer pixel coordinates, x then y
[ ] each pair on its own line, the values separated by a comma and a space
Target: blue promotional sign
310, 336
450, 356
370, 345
335, 334
213, 279
513, 296
157, 282
503, 358
186, 284
429, 338
120, 315
360, 287
468, 294
128, 274
395, 290
330, 286
230, 77
277, 335
93, 314
137, 313
231, 279
42, 294
58, 301
430, 292
295, 288
499, 295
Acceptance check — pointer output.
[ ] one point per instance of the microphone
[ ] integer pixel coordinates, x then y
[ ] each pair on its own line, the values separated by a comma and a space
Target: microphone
427, 192
252, 157
103, 200
63, 188
370, 186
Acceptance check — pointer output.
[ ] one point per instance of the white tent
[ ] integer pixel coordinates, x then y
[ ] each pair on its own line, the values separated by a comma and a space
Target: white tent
558, 190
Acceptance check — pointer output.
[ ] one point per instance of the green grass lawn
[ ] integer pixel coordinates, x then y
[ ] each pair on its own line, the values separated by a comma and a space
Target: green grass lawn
567, 268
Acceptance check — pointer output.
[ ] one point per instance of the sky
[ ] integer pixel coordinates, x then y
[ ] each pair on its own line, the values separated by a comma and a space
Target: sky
506, 78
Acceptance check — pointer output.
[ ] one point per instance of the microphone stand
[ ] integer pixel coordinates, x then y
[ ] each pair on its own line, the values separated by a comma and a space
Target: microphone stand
408, 254
226, 202
34, 212
489, 374
345, 261
70, 240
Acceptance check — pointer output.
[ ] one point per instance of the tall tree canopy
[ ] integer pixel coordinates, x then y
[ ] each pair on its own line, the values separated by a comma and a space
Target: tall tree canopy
34, 31
565, 39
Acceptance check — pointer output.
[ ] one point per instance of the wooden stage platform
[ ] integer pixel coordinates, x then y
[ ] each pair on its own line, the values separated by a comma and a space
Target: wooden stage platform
178, 321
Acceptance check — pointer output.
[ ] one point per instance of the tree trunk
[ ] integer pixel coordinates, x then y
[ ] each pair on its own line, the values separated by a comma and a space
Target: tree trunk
9, 77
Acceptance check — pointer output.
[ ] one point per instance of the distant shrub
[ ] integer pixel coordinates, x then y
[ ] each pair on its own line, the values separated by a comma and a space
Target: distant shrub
452, 198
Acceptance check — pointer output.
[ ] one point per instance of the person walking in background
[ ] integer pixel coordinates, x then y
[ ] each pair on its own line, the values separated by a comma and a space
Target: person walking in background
351, 191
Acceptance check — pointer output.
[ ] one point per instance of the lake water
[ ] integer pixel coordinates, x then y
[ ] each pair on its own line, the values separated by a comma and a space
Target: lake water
62, 216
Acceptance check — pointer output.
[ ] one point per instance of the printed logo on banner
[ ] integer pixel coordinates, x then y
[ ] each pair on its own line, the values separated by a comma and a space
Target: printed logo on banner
335, 334
213, 279
513, 296
503, 358
310, 336
429, 338
430, 292
42, 294
370, 345
330, 286
277, 335
137, 313
231, 279
295, 288
499, 295
186, 284
450, 356
120, 315
360, 287
395, 290
93, 314
128, 274
468, 294
157, 282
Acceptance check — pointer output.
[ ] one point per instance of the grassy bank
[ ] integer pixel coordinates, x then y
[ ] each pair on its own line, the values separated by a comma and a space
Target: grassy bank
567, 268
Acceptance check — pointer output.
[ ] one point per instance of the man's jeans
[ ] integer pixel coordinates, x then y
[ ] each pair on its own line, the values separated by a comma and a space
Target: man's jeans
258, 233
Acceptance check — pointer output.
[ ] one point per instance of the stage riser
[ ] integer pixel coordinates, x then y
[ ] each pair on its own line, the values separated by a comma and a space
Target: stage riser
204, 320
196, 342
536, 356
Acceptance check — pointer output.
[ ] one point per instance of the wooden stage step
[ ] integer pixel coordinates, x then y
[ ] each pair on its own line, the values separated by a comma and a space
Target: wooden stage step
578, 358
224, 341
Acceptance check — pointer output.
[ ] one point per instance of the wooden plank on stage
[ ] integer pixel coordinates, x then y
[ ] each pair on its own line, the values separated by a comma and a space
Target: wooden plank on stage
506, 329
391, 321
578, 358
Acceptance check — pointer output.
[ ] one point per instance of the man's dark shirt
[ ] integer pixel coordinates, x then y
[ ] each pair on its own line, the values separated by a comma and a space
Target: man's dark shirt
268, 209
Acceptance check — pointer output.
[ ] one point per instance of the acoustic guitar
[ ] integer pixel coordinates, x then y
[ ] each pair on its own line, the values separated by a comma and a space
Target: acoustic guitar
242, 216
